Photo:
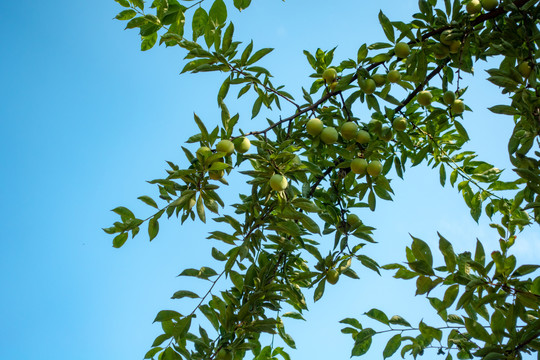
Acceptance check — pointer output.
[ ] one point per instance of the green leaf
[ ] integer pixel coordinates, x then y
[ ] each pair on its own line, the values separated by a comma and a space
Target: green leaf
124, 213
119, 240
184, 293
525, 269
136, 22
480, 254
362, 342
198, 23
138, 3
398, 320
497, 324
362, 53
124, 3
504, 109
246, 53
442, 175
218, 255
218, 12
422, 251
259, 55
371, 200
126, 15
387, 27
294, 315
450, 295
152, 352
170, 354
165, 315
352, 322
257, 106
200, 209
160, 339
378, 315
241, 4
430, 332
369, 263
447, 250
203, 273
392, 346
319, 291
149, 41
148, 201
503, 81
461, 130
227, 38
476, 330
153, 228
309, 224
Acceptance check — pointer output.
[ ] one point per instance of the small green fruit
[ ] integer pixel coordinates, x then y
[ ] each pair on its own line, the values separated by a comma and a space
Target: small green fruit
454, 46
368, 86
349, 130
243, 145
474, 7
352, 219
394, 76
458, 107
375, 126
216, 174
204, 152
374, 168
402, 50
363, 137
446, 37
449, 97
379, 79
332, 276
440, 51
489, 5
400, 124
329, 75
314, 127
278, 182
386, 133
329, 135
225, 146
358, 166
224, 355
424, 98
524, 69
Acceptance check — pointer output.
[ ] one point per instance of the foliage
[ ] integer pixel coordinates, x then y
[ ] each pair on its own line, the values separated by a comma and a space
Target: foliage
490, 304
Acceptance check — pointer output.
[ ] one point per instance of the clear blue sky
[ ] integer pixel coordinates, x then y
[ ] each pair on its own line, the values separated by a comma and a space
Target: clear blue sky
86, 119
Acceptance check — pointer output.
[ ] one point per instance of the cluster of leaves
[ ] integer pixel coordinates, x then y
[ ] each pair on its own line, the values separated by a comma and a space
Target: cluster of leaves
497, 305
272, 259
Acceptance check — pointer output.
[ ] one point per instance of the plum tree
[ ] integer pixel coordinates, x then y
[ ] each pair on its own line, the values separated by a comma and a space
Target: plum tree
303, 183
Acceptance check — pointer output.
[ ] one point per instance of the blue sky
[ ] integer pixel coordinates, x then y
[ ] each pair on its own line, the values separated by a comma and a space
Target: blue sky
86, 119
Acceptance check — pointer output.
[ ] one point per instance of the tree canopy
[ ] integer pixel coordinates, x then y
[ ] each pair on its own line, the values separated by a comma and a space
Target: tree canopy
314, 170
